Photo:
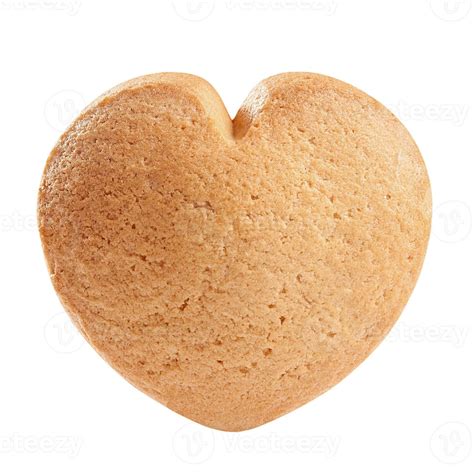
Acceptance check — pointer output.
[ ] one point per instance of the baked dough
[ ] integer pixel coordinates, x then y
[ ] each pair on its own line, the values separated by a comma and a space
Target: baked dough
234, 270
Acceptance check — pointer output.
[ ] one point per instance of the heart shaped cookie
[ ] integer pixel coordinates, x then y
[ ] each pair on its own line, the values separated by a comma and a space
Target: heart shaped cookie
234, 270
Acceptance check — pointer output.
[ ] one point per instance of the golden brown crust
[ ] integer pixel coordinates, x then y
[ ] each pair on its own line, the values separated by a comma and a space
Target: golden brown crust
234, 271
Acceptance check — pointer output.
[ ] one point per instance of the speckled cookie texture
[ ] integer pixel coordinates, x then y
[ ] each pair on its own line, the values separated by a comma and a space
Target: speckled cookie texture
234, 269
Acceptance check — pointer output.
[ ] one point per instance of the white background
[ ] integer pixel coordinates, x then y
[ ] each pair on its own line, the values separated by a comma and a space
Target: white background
409, 407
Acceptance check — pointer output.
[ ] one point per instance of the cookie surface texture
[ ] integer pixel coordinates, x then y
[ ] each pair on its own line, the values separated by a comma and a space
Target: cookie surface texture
234, 270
